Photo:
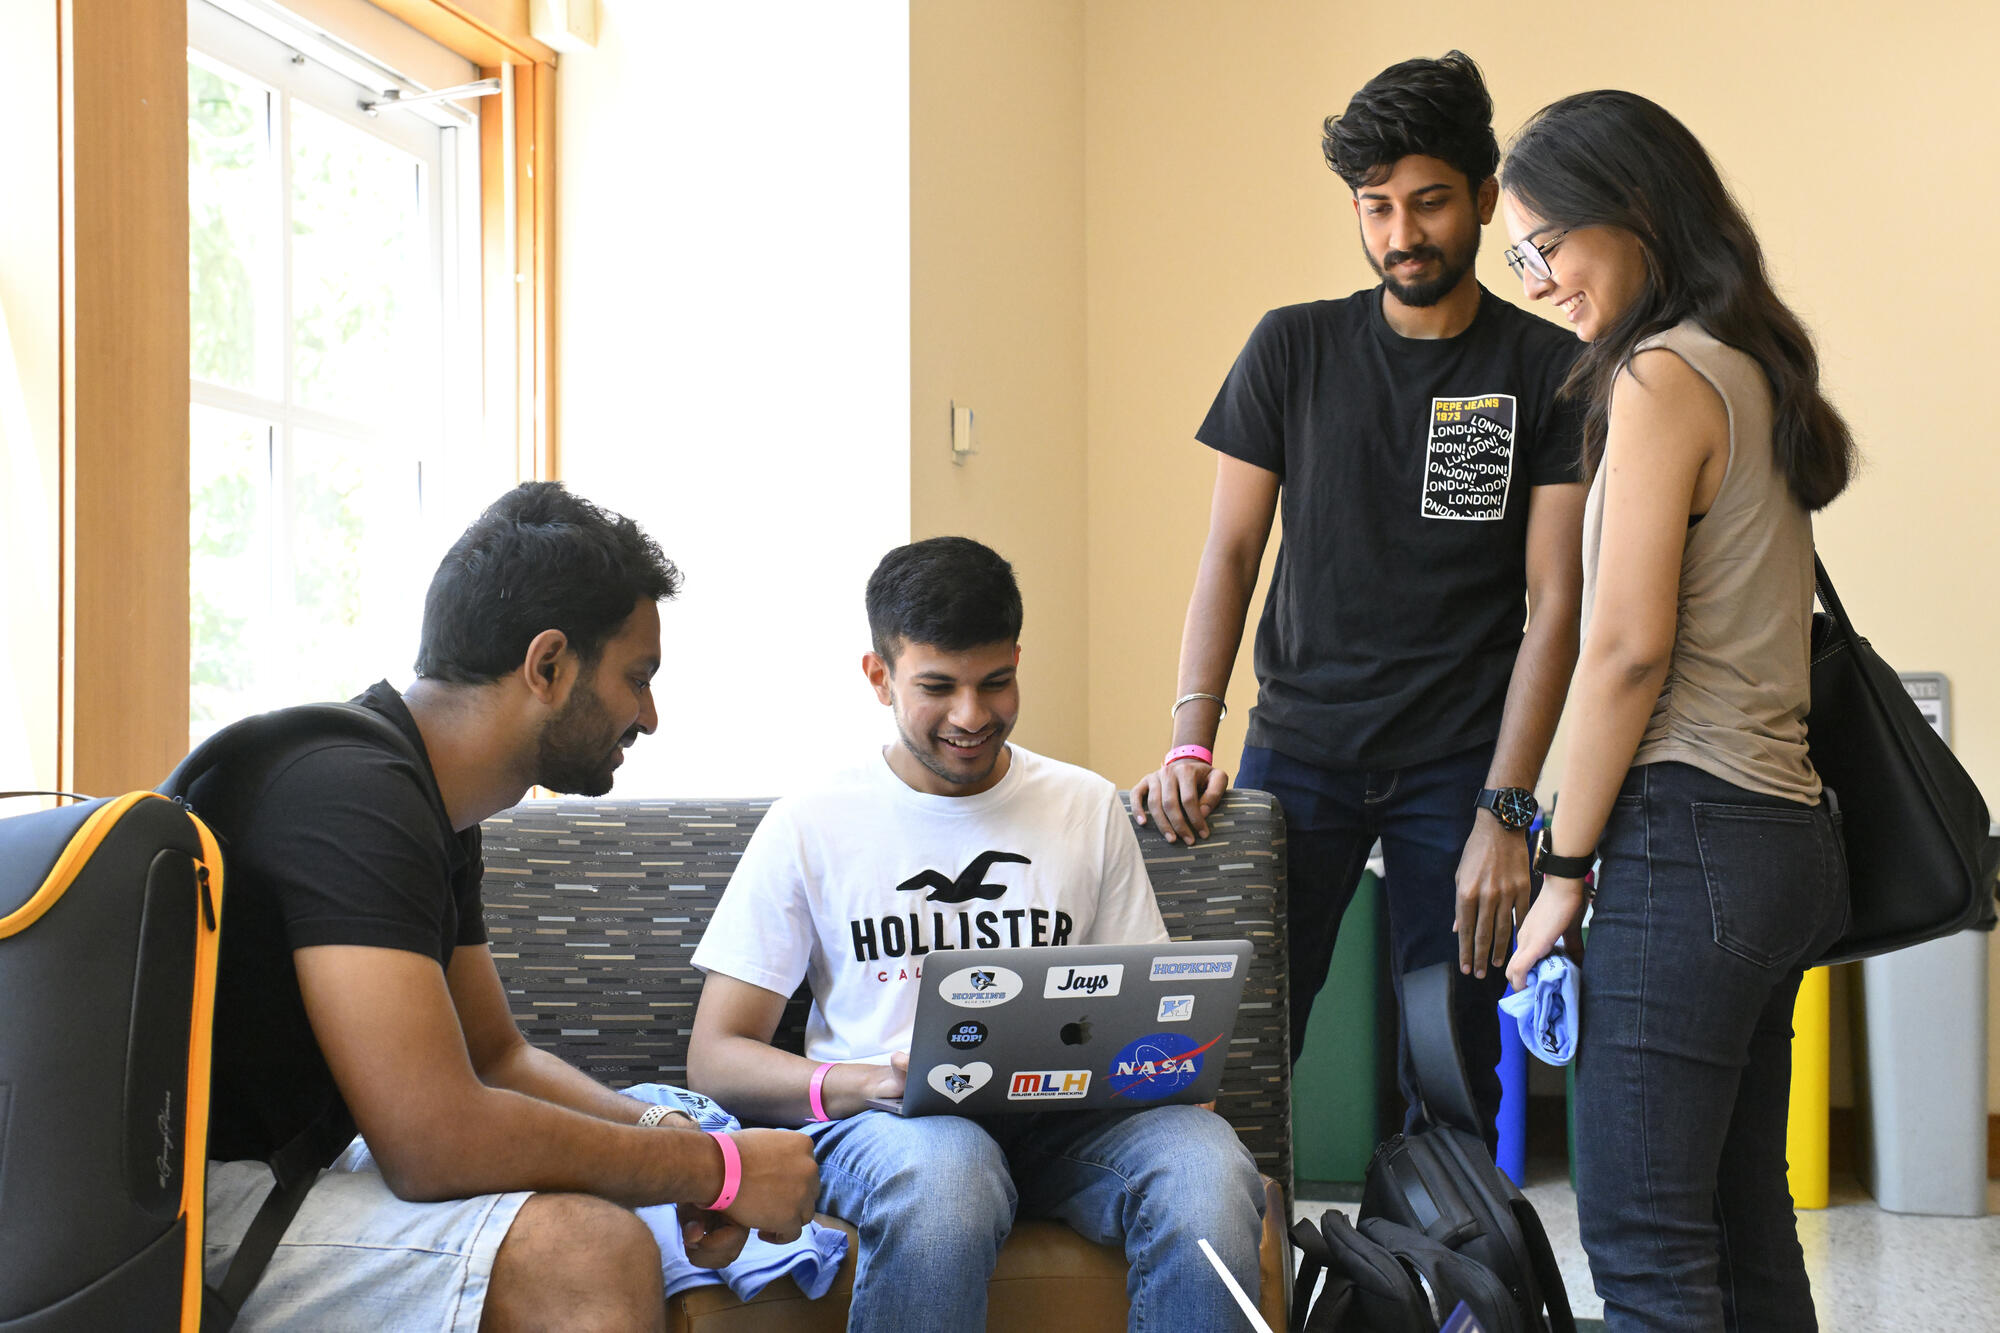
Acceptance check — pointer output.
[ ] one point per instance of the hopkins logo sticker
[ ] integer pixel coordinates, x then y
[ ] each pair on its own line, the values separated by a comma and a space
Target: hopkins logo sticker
1102, 980
964, 1036
1048, 1085
1194, 967
1176, 1008
980, 987
1158, 1065
960, 1081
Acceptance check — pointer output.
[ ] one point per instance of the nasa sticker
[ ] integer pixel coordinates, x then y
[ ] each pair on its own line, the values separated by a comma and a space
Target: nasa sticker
980, 987
960, 1081
1157, 1065
965, 1036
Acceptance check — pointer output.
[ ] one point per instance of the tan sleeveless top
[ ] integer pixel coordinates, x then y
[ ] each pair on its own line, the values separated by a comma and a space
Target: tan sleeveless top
1737, 691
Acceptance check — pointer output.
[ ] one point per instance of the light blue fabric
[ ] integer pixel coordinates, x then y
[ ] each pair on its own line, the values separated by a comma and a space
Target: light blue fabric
812, 1261
1545, 1010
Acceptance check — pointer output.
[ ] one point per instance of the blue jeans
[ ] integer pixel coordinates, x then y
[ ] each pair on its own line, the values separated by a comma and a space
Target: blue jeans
934, 1196
1711, 901
1423, 815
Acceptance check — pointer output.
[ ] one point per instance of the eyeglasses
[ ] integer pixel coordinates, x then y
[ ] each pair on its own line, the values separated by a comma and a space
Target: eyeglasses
1533, 257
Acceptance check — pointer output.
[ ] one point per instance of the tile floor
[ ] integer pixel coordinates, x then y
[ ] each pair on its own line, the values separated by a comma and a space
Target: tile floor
1872, 1272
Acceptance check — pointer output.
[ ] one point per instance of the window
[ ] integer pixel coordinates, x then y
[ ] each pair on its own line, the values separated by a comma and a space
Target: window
335, 444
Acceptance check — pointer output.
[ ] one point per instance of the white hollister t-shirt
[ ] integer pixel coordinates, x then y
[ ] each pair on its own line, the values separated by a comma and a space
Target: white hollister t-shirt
857, 885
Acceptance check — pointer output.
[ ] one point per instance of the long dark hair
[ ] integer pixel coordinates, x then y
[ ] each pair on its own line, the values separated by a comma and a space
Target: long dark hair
1614, 159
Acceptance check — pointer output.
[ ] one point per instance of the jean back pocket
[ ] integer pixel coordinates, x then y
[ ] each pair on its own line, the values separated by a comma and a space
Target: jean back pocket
1769, 883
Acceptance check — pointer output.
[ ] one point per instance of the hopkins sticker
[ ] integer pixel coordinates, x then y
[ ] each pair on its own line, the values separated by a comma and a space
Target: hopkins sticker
1176, 1008
1048, 1085
1158, 1065
964, 1036
1194, 967
980, 987
1085, 981
960, 1081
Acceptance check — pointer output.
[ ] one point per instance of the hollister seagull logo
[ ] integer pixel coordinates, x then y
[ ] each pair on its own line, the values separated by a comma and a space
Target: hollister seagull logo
960, 1081
970, 883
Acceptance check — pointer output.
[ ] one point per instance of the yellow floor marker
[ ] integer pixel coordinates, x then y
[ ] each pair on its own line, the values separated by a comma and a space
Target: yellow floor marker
1805, 1131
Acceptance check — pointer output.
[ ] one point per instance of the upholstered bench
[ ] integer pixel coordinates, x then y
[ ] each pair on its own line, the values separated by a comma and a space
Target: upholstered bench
594, 908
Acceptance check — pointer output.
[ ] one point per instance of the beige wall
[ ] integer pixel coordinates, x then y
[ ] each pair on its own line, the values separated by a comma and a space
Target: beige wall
1860, 139
996, 320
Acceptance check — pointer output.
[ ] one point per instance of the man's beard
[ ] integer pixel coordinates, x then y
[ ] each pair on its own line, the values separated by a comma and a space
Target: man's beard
934, 761
575, 757
1430, 291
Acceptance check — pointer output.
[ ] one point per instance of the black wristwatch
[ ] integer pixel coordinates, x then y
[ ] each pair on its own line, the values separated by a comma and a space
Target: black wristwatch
1562, 867
1514, 807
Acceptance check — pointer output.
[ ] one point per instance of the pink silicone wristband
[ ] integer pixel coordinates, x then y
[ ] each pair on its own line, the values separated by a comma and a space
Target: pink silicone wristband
1201, 752
813, 1092
732, 1171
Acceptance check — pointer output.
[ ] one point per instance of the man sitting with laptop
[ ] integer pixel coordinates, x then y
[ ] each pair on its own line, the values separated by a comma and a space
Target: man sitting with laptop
868, 886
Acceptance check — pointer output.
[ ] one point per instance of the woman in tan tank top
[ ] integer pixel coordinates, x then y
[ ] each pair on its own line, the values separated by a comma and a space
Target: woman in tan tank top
1687, 777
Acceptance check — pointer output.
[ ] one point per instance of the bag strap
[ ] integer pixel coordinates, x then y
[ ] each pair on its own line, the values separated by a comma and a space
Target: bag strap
296, 1165
269, 733
1330, 1313
1442, 1086
1542, 1258
294, 1169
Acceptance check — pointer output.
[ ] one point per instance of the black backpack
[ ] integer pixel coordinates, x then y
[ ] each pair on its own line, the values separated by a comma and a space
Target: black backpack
111, 914
1386, 1278
1440, 1223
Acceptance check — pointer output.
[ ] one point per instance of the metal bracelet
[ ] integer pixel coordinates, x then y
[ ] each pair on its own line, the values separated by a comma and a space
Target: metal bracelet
1198, 694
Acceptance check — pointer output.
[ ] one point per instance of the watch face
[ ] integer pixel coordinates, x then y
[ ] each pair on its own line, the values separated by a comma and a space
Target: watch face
1513, 806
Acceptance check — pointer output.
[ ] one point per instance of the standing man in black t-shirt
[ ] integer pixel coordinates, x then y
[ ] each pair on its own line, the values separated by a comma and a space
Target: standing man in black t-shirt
1426, 469
495, 1183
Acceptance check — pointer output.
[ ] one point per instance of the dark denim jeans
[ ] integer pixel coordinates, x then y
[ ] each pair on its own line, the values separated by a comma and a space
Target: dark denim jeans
1711, 900
1423, 815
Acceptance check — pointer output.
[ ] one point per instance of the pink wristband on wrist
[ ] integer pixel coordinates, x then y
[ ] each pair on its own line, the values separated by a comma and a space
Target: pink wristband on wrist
1201, 752
813, 1092
732, 1171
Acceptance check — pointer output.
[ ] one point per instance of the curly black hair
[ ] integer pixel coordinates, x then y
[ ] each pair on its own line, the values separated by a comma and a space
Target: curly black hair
539, 558
1432, 108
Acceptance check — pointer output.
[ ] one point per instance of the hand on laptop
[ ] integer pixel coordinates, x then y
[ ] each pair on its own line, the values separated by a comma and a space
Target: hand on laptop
780, 1183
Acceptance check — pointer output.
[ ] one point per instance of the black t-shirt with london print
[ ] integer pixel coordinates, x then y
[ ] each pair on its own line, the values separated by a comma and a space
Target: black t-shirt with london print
1398, 602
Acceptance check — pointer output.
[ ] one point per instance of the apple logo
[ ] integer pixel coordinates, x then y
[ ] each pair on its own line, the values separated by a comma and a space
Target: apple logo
1077, 1033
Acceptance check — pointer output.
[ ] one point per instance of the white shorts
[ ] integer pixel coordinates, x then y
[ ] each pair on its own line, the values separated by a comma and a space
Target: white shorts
356, 1256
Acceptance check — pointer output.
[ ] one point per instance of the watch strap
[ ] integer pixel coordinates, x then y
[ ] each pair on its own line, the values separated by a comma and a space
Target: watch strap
1562, 867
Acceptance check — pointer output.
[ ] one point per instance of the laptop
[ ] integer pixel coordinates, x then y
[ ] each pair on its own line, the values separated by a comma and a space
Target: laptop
1084, 1027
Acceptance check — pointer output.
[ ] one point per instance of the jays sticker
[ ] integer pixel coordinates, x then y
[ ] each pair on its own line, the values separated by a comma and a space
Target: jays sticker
1194, 967
1176, 1008
1048, 1085
1086, 981
964, 1036
980, 987
960, 1081
1158, 1065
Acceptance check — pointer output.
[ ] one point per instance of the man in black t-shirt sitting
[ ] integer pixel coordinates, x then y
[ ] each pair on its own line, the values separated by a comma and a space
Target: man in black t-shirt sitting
355, 970
1427, 471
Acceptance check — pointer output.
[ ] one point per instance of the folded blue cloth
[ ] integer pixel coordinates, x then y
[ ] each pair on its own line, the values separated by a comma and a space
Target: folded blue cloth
1545, 1010
813, 1260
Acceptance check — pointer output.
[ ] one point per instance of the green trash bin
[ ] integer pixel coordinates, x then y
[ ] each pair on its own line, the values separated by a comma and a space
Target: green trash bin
1338, 1083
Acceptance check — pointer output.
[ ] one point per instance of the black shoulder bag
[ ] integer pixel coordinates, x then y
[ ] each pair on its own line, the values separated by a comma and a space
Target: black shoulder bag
1920, 861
